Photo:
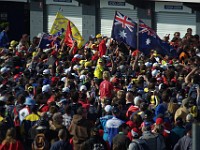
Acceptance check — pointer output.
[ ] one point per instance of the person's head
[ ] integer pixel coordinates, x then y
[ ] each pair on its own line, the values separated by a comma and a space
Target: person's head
94, 131
82, 111
124, 128
108, 109
188, 129
5, 26
115, 111
62, 134
106, 75
189, 31
146, 127
11, 133
189, 118
129, 97
57, 118
179, 122
158, 128
177, 34
120, 94
99, 38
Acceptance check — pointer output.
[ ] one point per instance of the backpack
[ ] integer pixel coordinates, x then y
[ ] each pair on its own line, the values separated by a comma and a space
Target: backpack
40, 142
141, 144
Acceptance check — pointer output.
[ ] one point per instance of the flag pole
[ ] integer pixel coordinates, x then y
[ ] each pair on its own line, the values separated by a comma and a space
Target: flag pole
138, 24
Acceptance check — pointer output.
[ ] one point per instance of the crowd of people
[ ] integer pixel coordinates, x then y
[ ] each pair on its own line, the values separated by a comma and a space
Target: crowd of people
103, 96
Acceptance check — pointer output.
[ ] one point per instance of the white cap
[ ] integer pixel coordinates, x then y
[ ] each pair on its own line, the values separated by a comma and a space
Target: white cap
83, 87
108, 108
78, 56
155, 72
76, 67
137, 100
46, 88
3, 98
82, 77
4, 70
148, 64
66, 71
65, 90
46, 71
63, 79
155, 64
134, 134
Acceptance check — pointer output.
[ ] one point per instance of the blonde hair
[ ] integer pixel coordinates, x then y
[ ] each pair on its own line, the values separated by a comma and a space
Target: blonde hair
106, 75
10, 136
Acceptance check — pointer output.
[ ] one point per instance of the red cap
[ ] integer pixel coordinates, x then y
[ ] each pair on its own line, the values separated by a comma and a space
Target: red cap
159, 121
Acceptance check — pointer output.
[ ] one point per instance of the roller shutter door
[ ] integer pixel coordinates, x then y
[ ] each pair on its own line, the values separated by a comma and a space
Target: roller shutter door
168, 23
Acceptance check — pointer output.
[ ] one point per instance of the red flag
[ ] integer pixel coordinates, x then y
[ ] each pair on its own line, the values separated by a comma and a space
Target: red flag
68, 36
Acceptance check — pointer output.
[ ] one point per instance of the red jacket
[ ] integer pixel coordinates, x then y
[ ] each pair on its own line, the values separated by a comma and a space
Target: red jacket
102, 48
11, 146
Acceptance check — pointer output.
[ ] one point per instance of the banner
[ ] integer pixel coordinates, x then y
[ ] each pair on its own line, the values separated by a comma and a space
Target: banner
60, 23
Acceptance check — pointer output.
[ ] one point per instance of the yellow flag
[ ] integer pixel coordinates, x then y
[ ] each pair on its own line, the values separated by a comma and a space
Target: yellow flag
60, 23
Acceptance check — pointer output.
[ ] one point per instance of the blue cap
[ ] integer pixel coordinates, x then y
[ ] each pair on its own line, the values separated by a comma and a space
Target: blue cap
29, 101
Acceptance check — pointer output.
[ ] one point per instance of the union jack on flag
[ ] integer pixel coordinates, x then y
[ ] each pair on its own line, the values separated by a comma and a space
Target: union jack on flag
124, 21
145, 28
124, 30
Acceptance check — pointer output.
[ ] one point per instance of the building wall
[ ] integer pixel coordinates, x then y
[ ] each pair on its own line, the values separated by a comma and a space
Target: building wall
36, 18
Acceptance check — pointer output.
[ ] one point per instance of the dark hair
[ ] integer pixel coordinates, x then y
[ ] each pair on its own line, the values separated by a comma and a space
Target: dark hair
123, 126
80, 110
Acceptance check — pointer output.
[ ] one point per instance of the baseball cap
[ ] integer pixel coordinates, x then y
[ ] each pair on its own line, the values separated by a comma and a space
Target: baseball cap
159, 121
65, 90
29, 101
46, 88
46, 71
108, 108
83, 87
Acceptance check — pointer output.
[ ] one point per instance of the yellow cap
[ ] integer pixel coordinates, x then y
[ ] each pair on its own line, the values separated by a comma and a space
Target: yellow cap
82, 62
98, 36
34, 54
13, 43
88, 64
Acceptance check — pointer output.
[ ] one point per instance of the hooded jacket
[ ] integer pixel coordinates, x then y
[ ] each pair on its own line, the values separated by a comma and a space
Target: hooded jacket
80, 130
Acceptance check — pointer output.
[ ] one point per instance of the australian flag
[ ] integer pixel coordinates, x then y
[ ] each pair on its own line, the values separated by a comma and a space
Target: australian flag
124, 30
45, 41
149, 40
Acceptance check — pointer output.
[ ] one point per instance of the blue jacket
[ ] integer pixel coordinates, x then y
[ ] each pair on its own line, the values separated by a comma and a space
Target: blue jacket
103, 121
112, 126
4, 39
61, 145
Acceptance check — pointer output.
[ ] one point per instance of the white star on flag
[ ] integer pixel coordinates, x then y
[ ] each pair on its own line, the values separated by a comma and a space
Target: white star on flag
148, 41
122, 34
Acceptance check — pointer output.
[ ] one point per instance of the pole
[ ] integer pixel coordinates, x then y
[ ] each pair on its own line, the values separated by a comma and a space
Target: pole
138, 26
195, 136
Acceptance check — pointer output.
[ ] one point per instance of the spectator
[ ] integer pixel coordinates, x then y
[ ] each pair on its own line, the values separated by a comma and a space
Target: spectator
63, 142
185, 143
154, 141
94, 142
80, 128
10, 142
121, 141
113, 124
4, 40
